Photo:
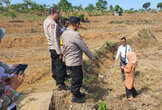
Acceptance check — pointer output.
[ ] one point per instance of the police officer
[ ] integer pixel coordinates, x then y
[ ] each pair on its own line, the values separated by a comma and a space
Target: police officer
65, 23
53, 32
73, 48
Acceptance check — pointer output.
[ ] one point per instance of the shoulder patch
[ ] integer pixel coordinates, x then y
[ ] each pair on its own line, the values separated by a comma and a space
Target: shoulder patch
53, 26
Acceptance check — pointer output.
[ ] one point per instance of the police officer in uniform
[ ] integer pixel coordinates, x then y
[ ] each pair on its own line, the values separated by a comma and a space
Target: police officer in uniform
73, 48
52, 33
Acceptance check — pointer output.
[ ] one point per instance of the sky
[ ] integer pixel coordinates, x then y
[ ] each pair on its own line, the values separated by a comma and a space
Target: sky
125, 4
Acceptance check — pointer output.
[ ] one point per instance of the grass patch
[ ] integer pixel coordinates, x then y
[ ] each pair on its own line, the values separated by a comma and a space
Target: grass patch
129, 22
22, 16
110, 47
146, 33
102, 106
90, 75
145, 38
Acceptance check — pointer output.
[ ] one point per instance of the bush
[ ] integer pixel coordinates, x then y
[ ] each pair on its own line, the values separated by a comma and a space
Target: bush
129, 11
102, 106
10, 14
82, 17
146, 33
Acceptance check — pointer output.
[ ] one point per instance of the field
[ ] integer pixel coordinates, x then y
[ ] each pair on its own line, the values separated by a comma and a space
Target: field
25, 43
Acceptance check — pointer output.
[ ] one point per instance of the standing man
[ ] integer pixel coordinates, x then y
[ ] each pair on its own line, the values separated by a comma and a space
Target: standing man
65, 23
123, 49
53, 32
73, 48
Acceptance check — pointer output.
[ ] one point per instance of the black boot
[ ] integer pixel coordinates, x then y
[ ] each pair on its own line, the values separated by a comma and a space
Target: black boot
134, 92
81, 94
76, 99
62, 87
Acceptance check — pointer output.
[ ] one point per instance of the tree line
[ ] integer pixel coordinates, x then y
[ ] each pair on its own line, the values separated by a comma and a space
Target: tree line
31, 7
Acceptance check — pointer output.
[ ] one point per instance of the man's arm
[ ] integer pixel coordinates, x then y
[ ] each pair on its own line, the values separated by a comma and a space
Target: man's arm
118, 53
55, 40
79, 41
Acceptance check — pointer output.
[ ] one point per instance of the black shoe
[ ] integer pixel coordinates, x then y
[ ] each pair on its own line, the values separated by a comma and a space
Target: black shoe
62, 87
82, 95
134, 92
78, 100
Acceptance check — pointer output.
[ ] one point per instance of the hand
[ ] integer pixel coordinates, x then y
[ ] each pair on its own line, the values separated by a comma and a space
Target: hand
61, 56
4, 107
122, 67
94, 61
16, 81
15, 65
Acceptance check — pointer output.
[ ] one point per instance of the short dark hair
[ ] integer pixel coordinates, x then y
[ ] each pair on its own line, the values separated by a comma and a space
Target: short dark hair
64, 20
124, 38
74, 20
52, 10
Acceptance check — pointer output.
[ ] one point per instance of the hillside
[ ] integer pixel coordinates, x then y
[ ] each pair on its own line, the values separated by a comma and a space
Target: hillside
25, 42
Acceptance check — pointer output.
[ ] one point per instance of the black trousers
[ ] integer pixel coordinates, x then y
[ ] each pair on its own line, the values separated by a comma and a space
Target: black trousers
77, 78
58, 68
122, 70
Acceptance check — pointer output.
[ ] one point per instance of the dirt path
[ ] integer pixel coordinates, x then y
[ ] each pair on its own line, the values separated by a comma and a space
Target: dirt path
36, 101
38, 98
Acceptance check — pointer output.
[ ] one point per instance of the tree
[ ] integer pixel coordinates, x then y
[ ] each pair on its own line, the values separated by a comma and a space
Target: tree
117, 7
65, 6
120, 11
111, 8
7, 2
159, 5
80, 8
13, 15
90, 9
146, 5
1, 6
101, 5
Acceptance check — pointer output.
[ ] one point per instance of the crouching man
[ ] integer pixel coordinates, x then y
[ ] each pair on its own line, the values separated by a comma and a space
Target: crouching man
73, 48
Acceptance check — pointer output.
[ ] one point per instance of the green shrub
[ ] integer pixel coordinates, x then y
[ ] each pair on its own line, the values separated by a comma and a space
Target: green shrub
111, 46
129, 11
102, 106
90, 75
10, 14
82, 17
146, 33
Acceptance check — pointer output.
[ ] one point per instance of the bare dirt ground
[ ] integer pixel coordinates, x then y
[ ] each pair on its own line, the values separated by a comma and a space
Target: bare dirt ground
25, 42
